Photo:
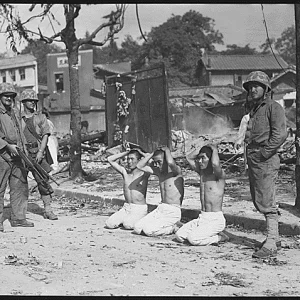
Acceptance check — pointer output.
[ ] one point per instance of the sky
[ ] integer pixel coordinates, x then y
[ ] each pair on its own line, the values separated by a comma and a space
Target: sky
240, 24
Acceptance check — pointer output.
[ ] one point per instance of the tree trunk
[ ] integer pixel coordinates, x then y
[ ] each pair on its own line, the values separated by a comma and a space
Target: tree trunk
75, 124
297, 138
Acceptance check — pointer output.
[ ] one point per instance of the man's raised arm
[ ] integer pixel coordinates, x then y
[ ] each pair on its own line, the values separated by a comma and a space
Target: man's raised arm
142, 164
215, 161
170, 161
113, 161
191, 159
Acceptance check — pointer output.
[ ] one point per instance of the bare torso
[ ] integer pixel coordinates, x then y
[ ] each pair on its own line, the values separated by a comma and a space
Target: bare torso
211, 193
135, 187
171, 188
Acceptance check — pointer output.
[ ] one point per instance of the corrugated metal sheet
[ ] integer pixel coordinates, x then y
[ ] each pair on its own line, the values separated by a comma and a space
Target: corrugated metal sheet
220, 98
117, 68
243, 62
228, 91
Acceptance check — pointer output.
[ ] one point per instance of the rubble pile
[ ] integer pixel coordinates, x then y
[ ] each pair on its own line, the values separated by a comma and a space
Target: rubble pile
184, 142
287, 151
94, 147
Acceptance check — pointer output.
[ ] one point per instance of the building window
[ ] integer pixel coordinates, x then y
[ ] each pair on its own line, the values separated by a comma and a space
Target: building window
22, 73
59, 82
12, 74
238, 80
3, 76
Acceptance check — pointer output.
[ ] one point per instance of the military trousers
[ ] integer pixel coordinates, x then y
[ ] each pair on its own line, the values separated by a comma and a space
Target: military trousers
263, 174
14, 174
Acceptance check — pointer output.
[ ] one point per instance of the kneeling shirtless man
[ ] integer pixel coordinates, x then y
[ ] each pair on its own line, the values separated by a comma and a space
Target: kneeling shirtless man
207, 228
134, 187
162, 220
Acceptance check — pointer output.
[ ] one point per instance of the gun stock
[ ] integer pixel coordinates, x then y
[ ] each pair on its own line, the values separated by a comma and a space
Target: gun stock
31, 164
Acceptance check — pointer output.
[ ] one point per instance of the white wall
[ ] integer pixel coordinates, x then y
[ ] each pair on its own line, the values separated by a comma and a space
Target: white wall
222, 79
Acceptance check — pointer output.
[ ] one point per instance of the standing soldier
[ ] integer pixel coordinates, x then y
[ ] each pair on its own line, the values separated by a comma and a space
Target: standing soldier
266, 132
12, 169
36, 131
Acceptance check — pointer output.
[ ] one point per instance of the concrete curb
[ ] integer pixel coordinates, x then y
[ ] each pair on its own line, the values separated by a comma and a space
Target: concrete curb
231, 219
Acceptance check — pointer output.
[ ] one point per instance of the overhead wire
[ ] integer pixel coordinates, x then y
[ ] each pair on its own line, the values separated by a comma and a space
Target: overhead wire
139, 23
268, 38
270, 45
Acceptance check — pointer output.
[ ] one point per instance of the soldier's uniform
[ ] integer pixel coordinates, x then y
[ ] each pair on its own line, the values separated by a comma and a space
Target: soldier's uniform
12, 169
266, 132
35, 128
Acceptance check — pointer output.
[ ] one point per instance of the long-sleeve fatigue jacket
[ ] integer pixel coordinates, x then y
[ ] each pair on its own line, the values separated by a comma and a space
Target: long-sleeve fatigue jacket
9, 130
267, 127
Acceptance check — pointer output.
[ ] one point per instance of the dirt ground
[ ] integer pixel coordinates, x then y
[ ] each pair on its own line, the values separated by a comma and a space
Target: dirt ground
76, 255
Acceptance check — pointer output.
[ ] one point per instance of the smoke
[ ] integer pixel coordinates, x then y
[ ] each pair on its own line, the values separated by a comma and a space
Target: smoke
198, 122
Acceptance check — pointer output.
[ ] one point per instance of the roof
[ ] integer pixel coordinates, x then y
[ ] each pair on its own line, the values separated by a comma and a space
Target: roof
284, 72
116, 68
226, 90
17, 61
290, 96
244, 62
205, 96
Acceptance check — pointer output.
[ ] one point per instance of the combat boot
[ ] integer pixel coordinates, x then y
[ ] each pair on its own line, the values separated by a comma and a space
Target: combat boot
269, 247
48, 214
21, 223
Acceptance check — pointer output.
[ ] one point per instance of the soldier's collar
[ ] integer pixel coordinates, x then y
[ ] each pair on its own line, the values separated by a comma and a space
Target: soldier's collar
3, 110
23, 115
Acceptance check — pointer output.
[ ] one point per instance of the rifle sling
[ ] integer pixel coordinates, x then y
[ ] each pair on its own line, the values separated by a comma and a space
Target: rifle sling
31, 128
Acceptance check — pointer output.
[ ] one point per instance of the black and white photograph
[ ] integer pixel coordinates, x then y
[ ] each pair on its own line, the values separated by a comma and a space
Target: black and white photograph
150, 149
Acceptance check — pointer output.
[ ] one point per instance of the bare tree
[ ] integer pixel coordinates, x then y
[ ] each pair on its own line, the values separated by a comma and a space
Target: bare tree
17, 30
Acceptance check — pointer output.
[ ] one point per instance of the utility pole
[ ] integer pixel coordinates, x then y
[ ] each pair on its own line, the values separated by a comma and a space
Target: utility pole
297, 138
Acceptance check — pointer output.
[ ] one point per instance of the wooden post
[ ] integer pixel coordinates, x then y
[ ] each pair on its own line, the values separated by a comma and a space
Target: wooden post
297, 137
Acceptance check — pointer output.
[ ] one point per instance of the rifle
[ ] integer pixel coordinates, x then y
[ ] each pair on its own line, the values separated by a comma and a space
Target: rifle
37, 168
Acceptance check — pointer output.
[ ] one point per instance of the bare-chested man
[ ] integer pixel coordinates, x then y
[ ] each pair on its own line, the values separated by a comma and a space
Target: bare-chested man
162, 220
207, 228
134, 187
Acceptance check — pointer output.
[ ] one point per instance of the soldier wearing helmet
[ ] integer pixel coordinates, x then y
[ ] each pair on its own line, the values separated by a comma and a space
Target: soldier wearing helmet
12, 169
37, 131
266, 132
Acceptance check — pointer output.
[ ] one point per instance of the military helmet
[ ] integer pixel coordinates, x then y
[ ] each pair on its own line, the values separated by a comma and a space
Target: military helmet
259, 77
7, 88
28, 94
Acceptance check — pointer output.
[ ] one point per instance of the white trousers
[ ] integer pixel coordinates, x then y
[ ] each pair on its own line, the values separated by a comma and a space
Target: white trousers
203, 230
160, 221
127, 216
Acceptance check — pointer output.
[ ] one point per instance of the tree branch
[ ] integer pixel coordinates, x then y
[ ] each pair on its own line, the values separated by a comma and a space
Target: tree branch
115, 18
41, 15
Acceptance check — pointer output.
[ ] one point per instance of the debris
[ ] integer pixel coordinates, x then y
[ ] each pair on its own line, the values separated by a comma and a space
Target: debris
11, 260
164, 245
33, 260
124, 263
231, 279
59, 265
16, 292
208, 283
180, 285
38, 276
271, 261
23, 239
